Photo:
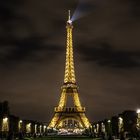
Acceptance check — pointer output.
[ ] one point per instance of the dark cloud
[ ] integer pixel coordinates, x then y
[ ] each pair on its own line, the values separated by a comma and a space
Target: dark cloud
104, 55
135, 7
29, 49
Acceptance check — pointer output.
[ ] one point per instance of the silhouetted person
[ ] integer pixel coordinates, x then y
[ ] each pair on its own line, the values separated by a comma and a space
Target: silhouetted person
20, 135
10, 136
122, 136
34, 135
103, 135
110, 137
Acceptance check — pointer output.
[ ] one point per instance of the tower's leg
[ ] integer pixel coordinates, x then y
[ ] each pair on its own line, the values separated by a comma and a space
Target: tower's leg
76, 99
85, 120
54, 121
63, 99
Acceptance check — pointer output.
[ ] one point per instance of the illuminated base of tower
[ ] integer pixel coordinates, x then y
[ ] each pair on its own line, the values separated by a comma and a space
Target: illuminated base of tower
72, 117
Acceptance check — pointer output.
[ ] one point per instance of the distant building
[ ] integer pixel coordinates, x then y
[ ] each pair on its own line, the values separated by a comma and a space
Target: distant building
10, 124
4, 108
126, 123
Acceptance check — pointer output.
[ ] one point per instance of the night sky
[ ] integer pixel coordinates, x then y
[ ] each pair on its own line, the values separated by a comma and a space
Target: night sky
106, 50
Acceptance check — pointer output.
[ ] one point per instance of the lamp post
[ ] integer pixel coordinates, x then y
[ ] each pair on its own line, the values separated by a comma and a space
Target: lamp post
28, 128
120, 124
20, 125
44, 129
35, 128
40, 127
109, 128
5, 126
138, 119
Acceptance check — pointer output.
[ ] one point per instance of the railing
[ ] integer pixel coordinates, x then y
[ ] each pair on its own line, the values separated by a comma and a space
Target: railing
70, 109
69, 85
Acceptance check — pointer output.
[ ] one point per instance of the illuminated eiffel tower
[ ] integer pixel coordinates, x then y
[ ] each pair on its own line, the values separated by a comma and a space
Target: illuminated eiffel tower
74, 116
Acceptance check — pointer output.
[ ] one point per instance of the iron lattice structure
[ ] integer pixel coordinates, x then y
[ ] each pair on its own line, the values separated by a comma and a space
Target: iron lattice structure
76, 113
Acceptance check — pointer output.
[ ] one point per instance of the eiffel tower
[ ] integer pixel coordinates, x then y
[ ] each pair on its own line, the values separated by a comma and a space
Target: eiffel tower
74, 116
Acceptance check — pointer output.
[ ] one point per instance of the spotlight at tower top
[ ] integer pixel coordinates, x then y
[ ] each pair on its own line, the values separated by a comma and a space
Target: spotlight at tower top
69, 18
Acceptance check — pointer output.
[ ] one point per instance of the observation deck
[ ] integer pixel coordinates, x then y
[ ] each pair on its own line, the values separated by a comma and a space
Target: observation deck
69, 109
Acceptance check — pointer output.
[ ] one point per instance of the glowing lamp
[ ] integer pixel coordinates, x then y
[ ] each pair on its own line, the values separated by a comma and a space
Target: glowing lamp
138, 111
5, 119
45, 126
109, 121
5, 125
120, 118
69, 21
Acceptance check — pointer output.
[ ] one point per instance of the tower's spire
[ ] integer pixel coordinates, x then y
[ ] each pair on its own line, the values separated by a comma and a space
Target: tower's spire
69, 16
69, 66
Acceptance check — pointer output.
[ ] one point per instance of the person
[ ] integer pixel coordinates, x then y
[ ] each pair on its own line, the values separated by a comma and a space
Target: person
10, 136
34, 135
20, 135
110, 137
122, 136
103, 135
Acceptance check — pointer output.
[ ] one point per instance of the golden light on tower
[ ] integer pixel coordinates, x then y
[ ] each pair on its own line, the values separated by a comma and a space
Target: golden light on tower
69, 88
69, 65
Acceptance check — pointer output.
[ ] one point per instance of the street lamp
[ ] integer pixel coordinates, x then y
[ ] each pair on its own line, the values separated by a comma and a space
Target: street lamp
138, 111
109, 121
20, 121
109, 130
35, 128
28, 128
5, 125
138, 118
45, 128
19, 125
120, 124
40, 127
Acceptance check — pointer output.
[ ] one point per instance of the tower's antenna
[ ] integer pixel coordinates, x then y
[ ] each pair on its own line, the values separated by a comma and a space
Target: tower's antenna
69, 15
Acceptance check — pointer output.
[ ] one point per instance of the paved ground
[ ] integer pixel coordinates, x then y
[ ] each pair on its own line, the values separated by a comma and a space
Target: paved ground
64, 138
